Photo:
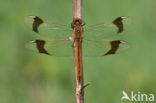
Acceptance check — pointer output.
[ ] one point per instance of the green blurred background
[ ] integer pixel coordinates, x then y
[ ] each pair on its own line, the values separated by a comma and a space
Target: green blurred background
28, 77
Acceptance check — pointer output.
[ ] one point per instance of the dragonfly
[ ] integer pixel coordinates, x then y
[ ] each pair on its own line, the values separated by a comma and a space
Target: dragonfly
60, 38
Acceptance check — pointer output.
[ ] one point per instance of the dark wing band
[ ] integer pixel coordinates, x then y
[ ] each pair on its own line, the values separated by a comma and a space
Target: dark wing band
40, 46
114, 47
119, 23
36, 23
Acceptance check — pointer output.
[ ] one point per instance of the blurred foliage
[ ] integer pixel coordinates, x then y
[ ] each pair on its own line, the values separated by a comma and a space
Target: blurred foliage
27, 77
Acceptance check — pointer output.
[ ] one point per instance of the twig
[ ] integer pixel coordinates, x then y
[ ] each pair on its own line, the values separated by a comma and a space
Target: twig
79, 85
86, 85
77, 5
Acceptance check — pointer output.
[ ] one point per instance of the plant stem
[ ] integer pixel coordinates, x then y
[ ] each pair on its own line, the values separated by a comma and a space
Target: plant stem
79, 85
77, 5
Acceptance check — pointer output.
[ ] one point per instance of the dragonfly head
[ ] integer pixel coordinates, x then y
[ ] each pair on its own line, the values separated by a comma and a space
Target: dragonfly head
77, 22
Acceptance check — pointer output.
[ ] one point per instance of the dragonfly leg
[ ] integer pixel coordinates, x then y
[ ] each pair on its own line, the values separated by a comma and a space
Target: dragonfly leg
71, 39
73, 42
73, 45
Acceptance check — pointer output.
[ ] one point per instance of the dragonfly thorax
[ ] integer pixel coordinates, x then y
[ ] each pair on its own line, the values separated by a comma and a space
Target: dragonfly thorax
77, 28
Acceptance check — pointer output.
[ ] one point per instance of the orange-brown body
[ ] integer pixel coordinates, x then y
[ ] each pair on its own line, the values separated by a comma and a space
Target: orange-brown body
77, 46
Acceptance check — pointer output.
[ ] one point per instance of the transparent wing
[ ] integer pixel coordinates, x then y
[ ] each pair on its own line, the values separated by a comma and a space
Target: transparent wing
107, 29
91, 48
61, 47
103, 47
48, 29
